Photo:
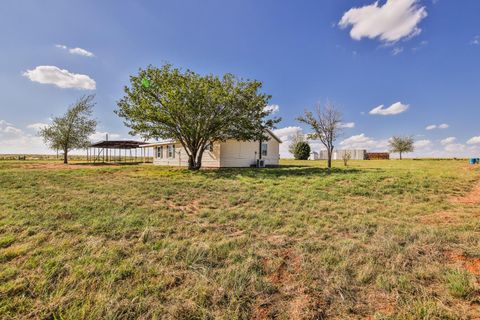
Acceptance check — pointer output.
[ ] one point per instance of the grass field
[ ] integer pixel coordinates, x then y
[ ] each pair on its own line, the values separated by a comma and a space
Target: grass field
376, 240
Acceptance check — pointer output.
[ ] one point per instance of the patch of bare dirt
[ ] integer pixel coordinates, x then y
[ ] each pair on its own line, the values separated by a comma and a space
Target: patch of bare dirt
442, 217
383, 304
468, 263
290, 297
472, 197
191, 207
456, 215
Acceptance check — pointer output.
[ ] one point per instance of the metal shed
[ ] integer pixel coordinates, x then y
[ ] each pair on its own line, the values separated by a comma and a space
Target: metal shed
117, 151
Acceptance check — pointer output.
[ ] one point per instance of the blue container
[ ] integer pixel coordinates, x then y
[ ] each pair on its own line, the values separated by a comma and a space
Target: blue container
473, 161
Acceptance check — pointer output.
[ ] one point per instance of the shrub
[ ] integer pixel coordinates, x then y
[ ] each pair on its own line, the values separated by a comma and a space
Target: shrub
302, 150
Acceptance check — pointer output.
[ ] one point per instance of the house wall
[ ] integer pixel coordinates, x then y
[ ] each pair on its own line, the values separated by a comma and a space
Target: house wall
210, 159
236, 154
228, 154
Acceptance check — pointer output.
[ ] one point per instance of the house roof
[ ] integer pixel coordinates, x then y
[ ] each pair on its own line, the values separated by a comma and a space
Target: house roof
170, 141
118, 144
273, 135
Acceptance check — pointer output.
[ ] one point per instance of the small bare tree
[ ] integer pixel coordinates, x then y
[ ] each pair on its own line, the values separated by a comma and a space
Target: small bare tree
326, 125
346, 156
297, 138
401, 144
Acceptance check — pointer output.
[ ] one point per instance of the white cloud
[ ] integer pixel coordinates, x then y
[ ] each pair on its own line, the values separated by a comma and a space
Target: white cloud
474, 140
60, 77
347, 125
37, 126
448, 140
102, 135
287, 132
76, 51
361, 141
286, 135
395, 108
434, 126
273, 108
454, 147
395, 20
421, 144
14, 140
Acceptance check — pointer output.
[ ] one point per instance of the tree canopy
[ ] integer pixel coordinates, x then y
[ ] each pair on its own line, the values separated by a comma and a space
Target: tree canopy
401, 144
194, 109
72, 130
302, 150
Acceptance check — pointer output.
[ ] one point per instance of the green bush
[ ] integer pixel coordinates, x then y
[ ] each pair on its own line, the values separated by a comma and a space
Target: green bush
301, 150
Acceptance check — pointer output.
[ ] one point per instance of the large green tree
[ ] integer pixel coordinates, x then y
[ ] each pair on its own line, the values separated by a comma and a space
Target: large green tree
194, 109
72, 130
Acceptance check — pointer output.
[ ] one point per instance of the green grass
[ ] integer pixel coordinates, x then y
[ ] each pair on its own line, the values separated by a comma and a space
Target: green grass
295, 242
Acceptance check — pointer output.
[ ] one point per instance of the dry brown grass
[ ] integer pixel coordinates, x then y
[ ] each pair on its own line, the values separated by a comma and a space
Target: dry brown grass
376, 240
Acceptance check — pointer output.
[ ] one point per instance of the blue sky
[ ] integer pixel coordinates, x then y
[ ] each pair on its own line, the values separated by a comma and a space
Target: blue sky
419, 59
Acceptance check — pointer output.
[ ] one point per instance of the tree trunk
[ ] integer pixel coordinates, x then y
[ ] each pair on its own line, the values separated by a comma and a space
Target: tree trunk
400, 155
195, 160
65, 156
329, 156
198, 163
191, 162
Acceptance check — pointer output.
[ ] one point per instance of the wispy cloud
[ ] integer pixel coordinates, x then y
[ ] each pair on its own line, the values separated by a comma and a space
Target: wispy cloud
435, 126
76, 51
397, 50
475, 41
347, 125
60, 77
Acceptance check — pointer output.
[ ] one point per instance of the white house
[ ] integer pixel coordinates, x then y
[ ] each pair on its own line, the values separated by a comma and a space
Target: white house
228, 154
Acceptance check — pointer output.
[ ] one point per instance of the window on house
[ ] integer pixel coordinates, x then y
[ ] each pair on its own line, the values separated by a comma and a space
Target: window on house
160, 152
171, 151
264, 149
